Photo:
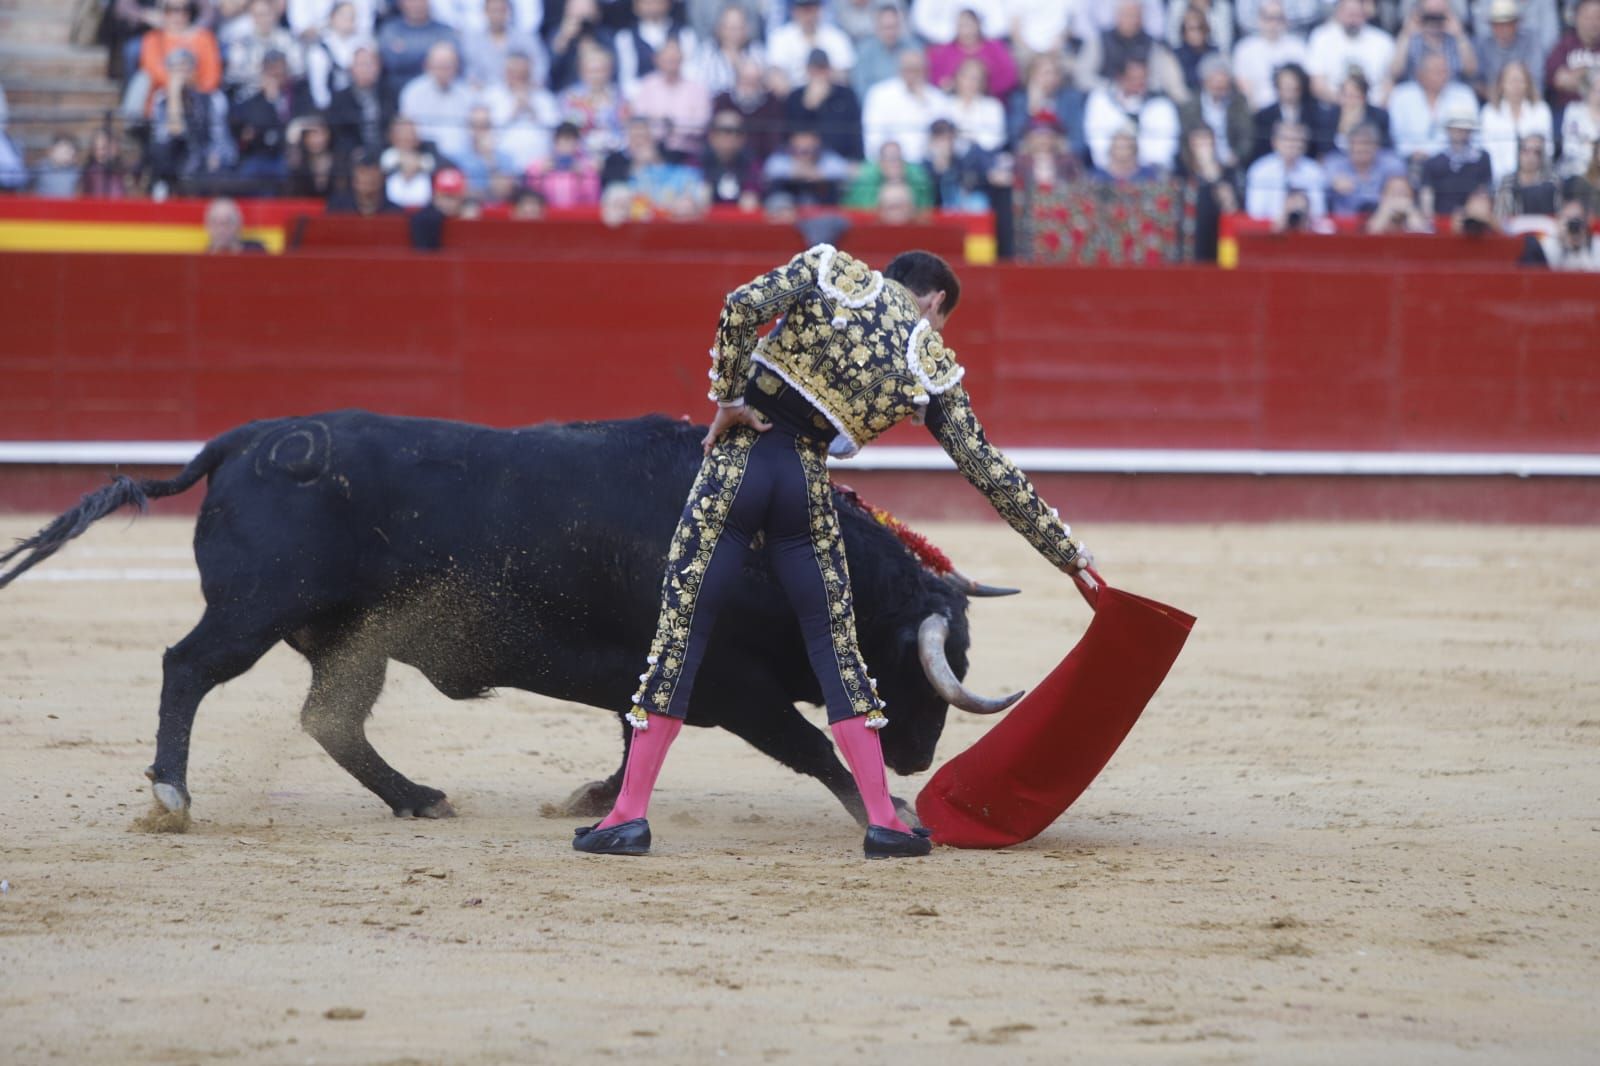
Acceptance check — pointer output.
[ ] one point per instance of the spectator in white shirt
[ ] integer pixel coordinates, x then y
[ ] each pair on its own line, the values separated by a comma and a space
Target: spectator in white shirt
1347, 40
484, 51
636, 45
1098, 17
979, 118
307, 18
935, 20
1580, 128
789, 45
1300, 16
439, 102
1286, 167
1127, 99
1573, 246
715, 62
901, 109
468, 16
245, 42
330, 53
1514, 111
1037, 27
1257, 58
524, 112
1417, 109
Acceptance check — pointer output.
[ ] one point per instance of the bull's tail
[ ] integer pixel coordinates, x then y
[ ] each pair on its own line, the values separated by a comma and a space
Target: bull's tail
122, 491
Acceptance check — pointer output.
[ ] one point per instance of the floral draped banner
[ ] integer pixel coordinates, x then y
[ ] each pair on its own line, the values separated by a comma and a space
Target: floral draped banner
1093, 222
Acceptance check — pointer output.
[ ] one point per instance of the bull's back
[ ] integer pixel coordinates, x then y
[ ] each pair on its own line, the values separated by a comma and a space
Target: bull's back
356, 504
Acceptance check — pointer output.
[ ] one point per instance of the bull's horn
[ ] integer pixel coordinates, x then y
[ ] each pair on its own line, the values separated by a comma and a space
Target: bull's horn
930, 648
976, 588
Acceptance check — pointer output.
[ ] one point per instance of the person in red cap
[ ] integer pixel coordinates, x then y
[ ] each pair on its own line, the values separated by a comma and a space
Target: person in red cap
449, 196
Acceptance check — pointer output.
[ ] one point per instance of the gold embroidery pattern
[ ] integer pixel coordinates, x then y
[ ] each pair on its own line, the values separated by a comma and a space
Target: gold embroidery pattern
1009, 491
828, 545
746, 310
850, 362
699, 529
936, 368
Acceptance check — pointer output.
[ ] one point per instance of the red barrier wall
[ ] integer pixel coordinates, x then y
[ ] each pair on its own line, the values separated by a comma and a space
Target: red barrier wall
174, 347
586, 239
1378, 252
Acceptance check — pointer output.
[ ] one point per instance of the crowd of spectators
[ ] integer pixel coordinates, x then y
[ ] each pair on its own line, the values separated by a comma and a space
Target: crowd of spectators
1290, 110
1480, 111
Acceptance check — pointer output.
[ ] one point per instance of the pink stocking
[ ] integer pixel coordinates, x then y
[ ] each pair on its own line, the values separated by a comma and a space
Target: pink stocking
864, 754
645, 756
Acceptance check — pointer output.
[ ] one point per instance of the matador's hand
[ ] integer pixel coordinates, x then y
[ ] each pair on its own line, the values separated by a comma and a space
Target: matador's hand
727, 418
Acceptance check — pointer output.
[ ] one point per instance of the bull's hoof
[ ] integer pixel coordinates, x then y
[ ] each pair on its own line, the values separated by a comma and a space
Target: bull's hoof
431, 803
593, 800
171, 795
441, 809
170, 811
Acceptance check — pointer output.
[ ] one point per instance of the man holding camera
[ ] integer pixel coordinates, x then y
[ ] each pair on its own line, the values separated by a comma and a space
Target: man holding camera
1433, 28
1572, 246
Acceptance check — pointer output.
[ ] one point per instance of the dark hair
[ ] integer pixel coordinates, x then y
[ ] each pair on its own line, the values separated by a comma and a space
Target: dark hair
1121, 68
924, 272
1298, 73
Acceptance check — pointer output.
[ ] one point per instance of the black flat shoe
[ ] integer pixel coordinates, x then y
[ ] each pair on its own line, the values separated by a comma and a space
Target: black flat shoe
884, 843
626, 838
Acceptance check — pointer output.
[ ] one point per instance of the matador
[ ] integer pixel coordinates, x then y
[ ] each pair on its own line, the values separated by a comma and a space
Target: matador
853, 353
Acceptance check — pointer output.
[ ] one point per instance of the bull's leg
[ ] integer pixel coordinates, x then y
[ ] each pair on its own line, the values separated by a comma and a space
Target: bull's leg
344, 686
778, 730
596, 798
216, 651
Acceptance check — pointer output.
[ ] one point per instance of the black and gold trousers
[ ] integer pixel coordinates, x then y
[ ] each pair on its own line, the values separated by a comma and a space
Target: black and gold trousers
773, 483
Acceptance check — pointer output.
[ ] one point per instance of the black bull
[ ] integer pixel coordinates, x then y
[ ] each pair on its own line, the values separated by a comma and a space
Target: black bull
527, 559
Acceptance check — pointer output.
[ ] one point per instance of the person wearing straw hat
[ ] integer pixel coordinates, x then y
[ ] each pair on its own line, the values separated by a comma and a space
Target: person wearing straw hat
1505, 40
854, 353
1453, 175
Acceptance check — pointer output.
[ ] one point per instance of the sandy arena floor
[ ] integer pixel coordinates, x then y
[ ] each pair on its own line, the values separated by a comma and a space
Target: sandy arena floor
1359, 824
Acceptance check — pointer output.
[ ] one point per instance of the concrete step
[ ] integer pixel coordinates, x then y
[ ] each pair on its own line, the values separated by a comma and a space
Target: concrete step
33, 118
21, 62
60, 10
33, 27
37, 95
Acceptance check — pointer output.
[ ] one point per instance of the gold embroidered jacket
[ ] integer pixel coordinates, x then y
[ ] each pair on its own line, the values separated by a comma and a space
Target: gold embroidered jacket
856, 346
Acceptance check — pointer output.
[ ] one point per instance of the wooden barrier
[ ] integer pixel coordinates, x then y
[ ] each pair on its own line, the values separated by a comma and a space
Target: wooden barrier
174, 348
181, 347
584, 239
1383, 251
